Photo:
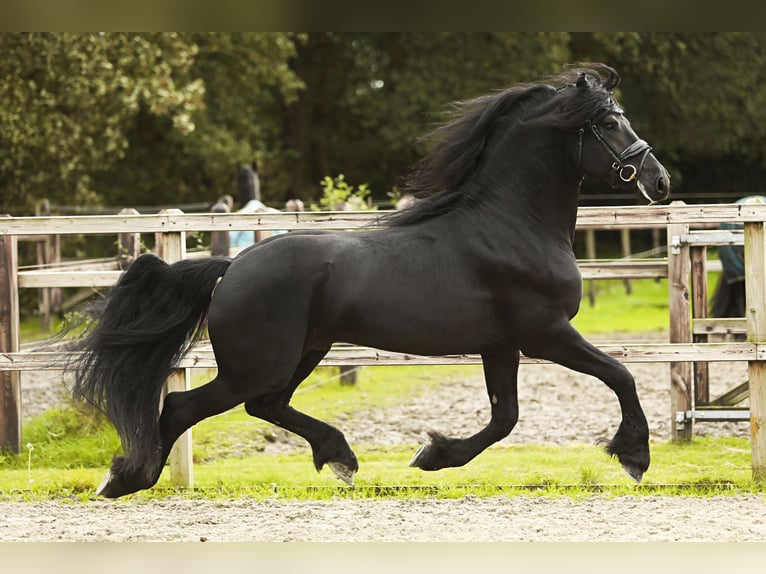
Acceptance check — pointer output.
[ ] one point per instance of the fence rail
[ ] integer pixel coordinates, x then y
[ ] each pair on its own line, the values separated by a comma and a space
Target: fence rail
683, 351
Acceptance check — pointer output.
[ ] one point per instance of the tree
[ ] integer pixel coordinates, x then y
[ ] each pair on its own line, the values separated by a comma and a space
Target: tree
247, 81
363, 114
700, 98
67, 99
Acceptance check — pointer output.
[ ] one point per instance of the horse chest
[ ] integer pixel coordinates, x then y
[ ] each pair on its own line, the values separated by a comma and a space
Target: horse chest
553, 283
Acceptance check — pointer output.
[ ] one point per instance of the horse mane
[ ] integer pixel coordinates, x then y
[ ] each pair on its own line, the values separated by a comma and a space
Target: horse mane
457, 146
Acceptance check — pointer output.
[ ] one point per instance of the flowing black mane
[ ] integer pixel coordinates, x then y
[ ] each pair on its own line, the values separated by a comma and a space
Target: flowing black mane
458, 145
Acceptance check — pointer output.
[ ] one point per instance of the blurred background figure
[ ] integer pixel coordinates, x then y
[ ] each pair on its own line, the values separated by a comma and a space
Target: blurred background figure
729, 297
293, 205
249, 199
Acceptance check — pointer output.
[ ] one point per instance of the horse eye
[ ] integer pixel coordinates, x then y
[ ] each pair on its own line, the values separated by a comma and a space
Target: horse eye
609, 126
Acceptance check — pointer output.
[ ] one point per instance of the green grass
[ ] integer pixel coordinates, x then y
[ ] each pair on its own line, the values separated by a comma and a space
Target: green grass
702, 467
72, 449
644, 310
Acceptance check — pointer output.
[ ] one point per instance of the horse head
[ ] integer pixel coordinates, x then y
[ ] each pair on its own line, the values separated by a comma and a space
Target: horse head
609, 148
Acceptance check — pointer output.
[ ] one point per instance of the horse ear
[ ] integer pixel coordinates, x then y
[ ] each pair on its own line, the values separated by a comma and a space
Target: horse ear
611, 82
582, 81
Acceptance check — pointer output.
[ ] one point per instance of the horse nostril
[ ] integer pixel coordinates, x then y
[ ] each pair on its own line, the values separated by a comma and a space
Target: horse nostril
662, 184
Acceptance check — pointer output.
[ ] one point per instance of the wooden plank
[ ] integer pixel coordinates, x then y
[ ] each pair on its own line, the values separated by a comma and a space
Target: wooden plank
624, 269
642, 217
202, 356
719, 326
38, 279
171, 246
733, 396
715, 237
681, 384
171, 222
661, 215
64, 277
755, 314
10, 383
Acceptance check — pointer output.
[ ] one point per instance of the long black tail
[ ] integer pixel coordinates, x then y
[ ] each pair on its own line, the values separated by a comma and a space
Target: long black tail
149, 320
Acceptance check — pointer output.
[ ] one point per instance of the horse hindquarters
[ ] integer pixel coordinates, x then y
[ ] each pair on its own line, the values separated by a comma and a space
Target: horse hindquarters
268, 338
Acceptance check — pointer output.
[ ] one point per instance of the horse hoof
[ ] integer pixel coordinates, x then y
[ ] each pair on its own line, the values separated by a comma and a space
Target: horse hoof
342, 472
416, 458
634, 472
102, 488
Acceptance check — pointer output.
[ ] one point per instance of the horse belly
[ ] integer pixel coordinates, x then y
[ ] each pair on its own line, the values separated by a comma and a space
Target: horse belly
396, 316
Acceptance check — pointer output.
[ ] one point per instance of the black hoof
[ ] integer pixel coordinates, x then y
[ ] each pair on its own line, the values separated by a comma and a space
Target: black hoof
633, 456
634, 472
434, 453
119, 481
343, 472
339, 457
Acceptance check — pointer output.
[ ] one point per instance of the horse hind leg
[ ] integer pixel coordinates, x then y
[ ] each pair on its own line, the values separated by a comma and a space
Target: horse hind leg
180, 411
328, 444
501, 376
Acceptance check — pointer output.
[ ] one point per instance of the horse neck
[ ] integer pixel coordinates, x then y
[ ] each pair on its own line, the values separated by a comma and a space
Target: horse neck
531, 185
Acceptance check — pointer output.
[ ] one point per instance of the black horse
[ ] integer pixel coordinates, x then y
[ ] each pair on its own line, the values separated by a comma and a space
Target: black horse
484, 264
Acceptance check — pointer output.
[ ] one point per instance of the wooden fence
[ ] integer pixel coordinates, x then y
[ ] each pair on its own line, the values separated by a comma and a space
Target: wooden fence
687, 350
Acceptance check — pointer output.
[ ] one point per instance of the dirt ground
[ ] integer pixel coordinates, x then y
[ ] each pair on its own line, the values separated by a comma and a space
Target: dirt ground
557, 406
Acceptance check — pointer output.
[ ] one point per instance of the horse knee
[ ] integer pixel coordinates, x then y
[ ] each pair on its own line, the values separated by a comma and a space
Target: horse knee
621, 381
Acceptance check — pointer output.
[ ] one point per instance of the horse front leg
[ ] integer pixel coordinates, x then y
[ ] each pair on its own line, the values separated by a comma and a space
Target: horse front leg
565, 346
501, 377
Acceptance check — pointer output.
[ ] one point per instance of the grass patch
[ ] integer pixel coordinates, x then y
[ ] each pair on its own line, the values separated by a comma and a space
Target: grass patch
704, 466
644, 310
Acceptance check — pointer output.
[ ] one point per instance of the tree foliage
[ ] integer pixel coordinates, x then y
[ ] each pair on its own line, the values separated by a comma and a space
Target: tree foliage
67, 100
123, 119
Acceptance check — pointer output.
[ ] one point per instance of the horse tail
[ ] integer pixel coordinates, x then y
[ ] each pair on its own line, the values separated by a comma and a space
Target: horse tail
154, 314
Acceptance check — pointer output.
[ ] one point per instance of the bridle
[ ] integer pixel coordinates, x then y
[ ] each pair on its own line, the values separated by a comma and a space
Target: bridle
626, 172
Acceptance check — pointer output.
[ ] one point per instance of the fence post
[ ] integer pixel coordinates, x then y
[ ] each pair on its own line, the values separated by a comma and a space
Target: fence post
698, 258
681, 382
219, 239
171, 246
128, 244
10, 385
48, 254
626, 253
590, 254
755, 302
